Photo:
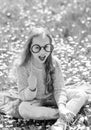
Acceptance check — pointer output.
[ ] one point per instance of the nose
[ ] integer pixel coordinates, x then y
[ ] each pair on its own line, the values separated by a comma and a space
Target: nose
42, 51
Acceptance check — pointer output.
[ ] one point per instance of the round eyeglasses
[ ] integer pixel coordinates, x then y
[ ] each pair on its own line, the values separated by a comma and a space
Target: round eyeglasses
36, 48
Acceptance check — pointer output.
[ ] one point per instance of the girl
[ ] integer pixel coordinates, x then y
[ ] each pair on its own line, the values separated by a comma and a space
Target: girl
39, 79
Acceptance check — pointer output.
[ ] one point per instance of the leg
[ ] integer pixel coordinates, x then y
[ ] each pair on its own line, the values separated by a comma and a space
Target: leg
76, 99
33, 110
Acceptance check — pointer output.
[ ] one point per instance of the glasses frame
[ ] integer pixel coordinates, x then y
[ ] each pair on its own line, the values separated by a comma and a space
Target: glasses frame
40, 47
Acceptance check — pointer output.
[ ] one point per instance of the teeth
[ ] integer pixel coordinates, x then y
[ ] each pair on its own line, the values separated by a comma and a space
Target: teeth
42, 58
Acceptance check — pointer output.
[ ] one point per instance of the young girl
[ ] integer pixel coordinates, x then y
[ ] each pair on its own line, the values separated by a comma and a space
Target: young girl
39, 79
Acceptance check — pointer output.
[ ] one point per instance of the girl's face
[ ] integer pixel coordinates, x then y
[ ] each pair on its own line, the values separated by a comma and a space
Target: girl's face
41, 48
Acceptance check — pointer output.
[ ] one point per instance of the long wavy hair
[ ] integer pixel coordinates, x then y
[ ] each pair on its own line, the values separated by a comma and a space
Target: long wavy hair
26, 55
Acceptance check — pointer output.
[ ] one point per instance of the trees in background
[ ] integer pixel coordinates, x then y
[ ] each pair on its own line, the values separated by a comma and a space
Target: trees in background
69, 21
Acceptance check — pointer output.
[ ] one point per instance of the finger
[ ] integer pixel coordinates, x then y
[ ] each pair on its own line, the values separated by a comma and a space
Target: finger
7, 107
8, 111
63, 117
69, 118
2, 106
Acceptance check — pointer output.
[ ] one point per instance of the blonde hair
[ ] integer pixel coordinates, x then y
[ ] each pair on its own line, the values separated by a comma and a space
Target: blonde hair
26, 55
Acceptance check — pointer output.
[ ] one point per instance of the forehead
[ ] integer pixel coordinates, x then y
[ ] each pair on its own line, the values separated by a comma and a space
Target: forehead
41, 40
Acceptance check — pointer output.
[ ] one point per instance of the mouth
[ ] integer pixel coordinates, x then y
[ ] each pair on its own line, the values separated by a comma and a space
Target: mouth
42, 58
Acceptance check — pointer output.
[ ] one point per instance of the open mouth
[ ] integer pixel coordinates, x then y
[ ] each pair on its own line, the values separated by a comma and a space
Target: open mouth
42, 58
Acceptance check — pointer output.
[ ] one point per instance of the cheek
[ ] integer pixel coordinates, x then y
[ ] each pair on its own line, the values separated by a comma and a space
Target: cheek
47, 54
35, 55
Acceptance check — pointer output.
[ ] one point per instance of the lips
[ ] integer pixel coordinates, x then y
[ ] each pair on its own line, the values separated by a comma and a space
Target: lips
42, 58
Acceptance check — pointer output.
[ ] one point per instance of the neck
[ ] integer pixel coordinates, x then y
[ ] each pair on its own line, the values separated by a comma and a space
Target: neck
37, 64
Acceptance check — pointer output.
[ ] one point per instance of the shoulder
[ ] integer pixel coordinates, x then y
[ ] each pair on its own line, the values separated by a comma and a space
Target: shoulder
58, 76
56, 62
22, 70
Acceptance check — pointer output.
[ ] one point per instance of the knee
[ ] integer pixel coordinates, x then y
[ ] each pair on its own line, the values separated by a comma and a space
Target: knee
22, 110
28, 111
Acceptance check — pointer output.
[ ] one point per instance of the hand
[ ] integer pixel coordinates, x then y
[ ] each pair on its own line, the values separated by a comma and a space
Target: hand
32, 81
66, 115
10, 107
7, 108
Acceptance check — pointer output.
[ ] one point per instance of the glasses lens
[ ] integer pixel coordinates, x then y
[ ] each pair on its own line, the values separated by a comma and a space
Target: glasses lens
35, 48
48, 47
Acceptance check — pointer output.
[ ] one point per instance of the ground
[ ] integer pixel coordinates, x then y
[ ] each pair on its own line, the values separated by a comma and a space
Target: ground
81, 122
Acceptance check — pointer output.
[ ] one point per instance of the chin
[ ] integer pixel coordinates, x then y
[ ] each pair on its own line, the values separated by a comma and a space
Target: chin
42, 61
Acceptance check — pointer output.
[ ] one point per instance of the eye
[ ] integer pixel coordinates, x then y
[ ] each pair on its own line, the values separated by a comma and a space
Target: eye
35, 48
48, 47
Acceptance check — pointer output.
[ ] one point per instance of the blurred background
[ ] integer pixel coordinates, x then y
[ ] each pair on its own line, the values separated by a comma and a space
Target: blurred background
69, 21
